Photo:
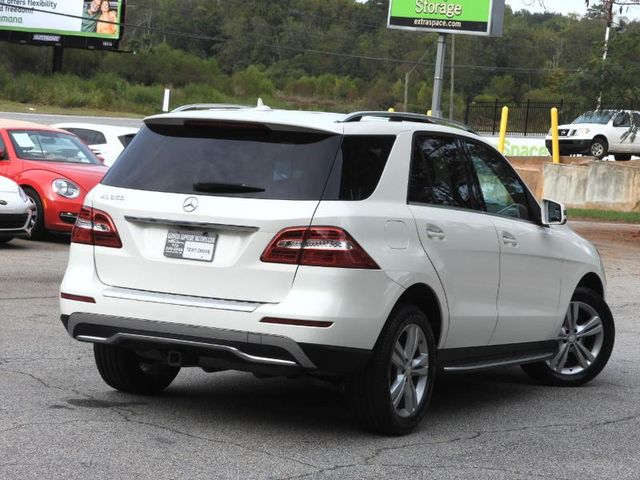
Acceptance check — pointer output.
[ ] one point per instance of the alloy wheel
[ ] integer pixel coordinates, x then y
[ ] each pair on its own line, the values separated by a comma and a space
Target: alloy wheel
409, 370
580, 340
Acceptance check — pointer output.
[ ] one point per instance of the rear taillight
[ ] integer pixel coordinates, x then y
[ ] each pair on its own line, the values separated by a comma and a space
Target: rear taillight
95, 227
318, 247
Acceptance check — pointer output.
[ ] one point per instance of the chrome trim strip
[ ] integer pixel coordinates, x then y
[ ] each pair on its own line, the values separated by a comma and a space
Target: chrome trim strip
227, 348
169, 328
182, 300
89, 338
188, 224
499, 363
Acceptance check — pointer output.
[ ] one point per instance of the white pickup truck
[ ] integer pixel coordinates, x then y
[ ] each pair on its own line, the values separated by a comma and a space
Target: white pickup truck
600, 133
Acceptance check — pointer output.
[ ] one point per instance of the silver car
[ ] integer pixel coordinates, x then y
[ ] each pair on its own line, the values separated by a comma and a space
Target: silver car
16, 211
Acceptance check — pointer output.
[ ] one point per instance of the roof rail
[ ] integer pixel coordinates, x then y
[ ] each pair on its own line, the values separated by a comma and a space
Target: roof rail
407, 117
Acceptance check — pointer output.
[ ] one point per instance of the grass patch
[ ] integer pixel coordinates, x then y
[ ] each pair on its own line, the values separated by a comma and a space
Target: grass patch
611, 216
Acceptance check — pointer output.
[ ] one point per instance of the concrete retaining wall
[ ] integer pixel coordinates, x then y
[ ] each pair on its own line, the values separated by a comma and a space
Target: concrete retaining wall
583, 183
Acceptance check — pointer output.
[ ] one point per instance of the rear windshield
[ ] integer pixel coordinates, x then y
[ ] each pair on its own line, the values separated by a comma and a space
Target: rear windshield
51, 147
251, 161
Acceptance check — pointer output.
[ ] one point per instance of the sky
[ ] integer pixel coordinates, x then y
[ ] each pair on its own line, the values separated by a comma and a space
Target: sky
564, 6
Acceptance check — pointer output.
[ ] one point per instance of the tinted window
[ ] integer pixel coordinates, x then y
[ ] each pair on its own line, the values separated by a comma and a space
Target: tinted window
50, 146
502, 190
173, 159
358, 167
439, 173
126, 139
90, 137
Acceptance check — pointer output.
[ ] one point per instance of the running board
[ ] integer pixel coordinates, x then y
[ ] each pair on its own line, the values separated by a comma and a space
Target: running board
468, 360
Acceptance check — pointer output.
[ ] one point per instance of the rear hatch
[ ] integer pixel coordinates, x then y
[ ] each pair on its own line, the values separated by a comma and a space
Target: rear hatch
196, 202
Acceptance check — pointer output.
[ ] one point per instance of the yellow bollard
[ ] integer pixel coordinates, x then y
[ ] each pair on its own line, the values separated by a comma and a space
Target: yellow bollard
428, 113
555, 142
392, 110
503, 129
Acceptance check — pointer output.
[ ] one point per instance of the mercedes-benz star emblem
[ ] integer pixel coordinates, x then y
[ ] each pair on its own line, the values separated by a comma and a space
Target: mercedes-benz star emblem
190, 204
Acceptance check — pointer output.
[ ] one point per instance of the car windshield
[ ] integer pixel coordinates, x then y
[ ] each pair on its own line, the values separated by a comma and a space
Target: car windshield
51, 147
602, 117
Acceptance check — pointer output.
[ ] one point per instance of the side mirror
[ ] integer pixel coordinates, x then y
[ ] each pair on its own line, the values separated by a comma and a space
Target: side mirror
553, 213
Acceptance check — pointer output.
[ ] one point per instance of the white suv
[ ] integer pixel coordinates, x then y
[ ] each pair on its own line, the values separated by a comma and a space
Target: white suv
370, 248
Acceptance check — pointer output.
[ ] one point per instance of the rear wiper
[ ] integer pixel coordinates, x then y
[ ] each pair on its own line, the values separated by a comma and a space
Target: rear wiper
206, 187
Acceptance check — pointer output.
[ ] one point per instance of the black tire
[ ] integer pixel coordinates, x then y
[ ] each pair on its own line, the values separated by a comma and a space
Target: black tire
369, 392
599, 148
543, 371
124, 370
622, 157
37, 231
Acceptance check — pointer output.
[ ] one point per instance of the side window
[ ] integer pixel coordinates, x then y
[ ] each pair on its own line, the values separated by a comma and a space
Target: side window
358, 167
636, 119
439, 173
5, 155
502, 190
622, 120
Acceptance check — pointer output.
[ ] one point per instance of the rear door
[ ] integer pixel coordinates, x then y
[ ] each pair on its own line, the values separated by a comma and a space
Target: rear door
458, 238
196, 205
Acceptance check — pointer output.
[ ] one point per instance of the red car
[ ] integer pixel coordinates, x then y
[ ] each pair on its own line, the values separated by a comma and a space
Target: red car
54, 168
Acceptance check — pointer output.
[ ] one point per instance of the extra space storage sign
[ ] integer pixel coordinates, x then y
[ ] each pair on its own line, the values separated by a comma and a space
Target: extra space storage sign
471, 17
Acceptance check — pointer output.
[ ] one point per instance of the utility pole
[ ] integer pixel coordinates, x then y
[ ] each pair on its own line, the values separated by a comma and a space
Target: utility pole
453, 76
608, 9
436, 102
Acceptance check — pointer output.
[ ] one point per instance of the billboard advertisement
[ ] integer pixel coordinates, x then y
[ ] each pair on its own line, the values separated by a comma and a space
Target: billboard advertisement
73, 23
471, 17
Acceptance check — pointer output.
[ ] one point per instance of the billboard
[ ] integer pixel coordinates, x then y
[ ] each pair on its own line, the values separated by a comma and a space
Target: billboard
70, 23
470, 17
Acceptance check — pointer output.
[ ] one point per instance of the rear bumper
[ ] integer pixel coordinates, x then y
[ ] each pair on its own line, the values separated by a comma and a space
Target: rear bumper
571, 147
213, 347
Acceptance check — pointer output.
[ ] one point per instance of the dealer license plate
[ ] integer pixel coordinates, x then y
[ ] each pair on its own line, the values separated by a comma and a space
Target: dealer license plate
190, 245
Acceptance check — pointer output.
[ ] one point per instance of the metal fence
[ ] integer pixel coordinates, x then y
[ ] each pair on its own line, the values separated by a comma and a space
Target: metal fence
525, 118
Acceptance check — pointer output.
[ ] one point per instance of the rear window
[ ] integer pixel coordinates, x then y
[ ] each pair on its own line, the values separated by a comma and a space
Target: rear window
246, 160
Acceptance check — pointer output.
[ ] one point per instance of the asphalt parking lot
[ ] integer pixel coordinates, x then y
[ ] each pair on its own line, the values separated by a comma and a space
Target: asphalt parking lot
59, 420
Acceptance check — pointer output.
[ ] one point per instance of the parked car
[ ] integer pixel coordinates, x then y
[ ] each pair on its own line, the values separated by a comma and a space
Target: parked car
371, 248
600, 133
16, 210
106, 141
55, 169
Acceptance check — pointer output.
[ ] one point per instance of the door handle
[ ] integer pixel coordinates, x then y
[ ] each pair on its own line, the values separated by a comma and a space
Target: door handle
509, 239
434, 232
